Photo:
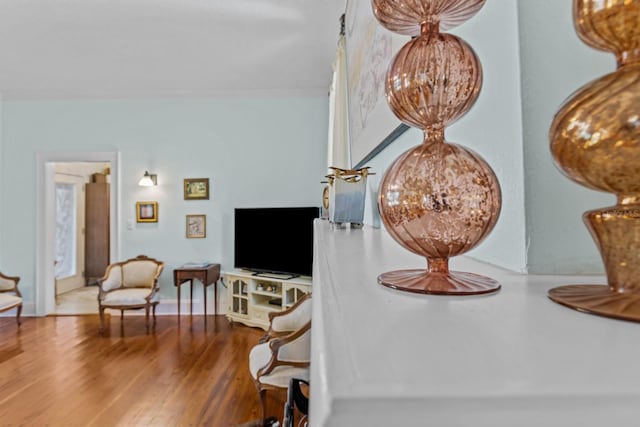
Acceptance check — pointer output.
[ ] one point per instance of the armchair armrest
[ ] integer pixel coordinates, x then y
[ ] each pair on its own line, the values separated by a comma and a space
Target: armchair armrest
112, 280
9, 284
154, 289
291, 350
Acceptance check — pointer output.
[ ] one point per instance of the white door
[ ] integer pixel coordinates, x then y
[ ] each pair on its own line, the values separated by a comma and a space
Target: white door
69, 233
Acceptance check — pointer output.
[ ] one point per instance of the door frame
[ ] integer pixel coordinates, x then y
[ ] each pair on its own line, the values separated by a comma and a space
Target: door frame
45, 215
76, 280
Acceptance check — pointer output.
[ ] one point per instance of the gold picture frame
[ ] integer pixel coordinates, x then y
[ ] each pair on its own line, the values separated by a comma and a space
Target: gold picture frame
147, 211
196, 226
196, 188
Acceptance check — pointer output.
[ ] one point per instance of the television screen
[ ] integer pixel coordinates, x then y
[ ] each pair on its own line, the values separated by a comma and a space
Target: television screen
275, 240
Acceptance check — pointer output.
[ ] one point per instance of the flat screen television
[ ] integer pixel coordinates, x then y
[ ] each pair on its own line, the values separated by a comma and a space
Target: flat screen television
275, 241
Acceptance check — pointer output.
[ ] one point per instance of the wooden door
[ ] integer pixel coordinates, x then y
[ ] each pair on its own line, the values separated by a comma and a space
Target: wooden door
97, 230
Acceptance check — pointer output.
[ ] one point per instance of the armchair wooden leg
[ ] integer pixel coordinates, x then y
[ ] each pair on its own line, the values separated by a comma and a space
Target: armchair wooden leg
18, 315
263, 404
154, 314
146, 315
101, 312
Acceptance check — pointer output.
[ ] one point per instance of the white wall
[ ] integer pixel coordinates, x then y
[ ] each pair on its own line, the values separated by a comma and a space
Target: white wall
256, 152
492, 128
554, 63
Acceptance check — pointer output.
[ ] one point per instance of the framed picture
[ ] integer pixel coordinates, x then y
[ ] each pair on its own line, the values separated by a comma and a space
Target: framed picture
147, 211
196, 189
369, 51
196, 226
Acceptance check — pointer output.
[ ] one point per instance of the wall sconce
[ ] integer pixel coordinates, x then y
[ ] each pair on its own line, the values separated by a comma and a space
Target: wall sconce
148, 180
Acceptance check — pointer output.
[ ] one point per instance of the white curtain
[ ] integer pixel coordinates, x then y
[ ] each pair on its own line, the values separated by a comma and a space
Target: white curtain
65, 230
338, 151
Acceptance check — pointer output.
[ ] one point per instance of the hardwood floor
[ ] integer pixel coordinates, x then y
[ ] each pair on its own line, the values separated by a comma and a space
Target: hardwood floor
58, 371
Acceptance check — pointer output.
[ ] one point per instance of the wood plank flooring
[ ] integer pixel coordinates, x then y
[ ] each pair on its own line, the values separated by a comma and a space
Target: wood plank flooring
58, 371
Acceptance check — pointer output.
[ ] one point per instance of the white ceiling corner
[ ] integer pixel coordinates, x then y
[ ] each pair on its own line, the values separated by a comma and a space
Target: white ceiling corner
139, 48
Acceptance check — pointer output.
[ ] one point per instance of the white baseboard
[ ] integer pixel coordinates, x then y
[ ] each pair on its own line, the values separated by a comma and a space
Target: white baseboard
166, 307
28, 310
170, 307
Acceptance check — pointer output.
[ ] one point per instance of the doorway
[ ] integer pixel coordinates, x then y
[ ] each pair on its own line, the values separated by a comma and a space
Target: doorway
81, 235
69, 212
46, 220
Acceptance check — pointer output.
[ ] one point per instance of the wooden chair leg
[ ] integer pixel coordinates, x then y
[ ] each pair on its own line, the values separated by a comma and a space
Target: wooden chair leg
146, 315
263, 405
101, 312
154, 314
18, 315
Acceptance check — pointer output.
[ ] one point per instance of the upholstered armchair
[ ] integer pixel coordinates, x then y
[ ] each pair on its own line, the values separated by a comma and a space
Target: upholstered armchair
130, 284
10, 296
283, 353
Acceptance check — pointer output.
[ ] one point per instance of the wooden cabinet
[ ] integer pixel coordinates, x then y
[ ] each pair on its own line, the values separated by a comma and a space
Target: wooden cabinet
251, 298
96, 230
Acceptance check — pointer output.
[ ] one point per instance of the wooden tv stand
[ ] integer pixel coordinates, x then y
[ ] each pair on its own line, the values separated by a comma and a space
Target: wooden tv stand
252, 297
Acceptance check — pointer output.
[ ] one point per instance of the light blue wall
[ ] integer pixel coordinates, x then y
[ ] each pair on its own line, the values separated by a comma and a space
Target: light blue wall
256, 152
492, 128
554, 64
2, 179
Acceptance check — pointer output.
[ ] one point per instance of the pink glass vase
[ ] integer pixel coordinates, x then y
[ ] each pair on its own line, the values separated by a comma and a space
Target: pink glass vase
408, 16
595, 141
438, 199
433, 80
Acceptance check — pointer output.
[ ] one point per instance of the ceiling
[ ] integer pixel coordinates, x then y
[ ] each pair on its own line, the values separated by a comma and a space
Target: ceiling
53, 49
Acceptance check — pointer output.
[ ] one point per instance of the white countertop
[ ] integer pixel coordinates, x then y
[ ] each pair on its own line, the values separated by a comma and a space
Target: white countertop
513, 358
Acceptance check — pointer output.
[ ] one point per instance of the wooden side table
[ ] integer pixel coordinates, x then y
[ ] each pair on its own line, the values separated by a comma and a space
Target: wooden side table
207, 275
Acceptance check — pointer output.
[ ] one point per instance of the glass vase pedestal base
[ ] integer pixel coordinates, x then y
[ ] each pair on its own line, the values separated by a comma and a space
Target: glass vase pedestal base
600, 300
438, 283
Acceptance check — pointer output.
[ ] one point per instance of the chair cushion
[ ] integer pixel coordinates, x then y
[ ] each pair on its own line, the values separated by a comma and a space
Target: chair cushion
139, 273
8, 301
129, 296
